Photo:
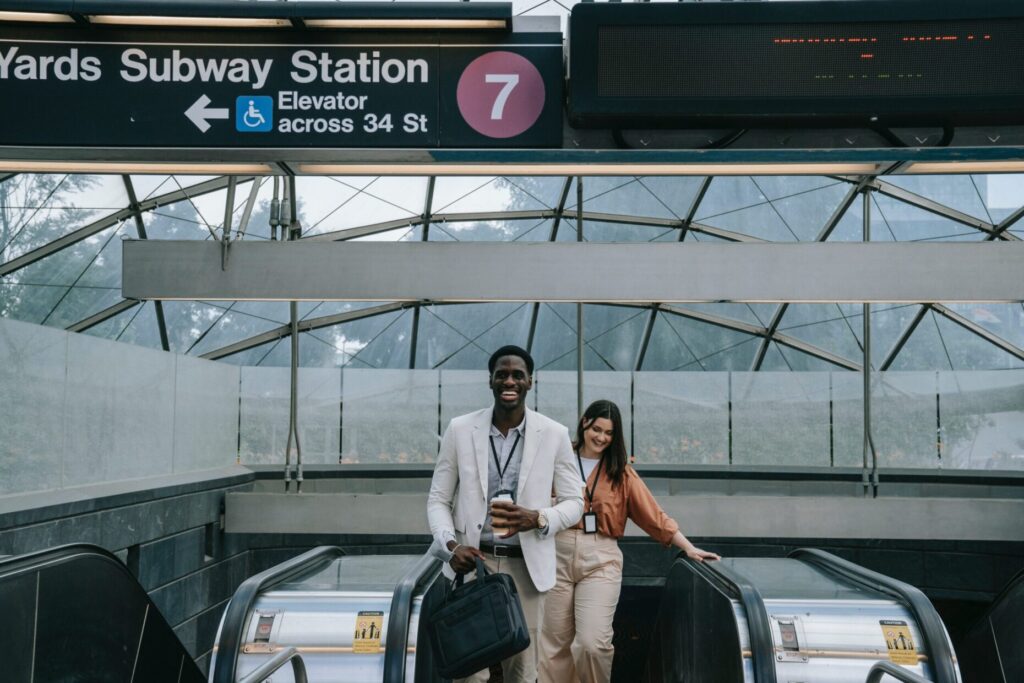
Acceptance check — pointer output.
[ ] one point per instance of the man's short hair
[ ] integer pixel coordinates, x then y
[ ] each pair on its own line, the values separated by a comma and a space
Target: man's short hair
510, 350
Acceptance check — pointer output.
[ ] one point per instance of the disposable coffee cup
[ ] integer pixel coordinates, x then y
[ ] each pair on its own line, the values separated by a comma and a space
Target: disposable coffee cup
499, 530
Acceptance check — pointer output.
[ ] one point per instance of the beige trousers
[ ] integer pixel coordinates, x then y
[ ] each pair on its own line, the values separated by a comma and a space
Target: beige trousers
520, 668
576, 634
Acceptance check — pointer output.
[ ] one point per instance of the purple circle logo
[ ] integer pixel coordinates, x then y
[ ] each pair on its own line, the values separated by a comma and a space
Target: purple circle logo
500, 94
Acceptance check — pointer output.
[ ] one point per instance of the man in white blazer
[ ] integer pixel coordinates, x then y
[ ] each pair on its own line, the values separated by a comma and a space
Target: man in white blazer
506, 451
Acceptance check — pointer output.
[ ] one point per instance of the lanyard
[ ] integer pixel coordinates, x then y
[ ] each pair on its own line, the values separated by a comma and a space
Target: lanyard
597, 478
497, 463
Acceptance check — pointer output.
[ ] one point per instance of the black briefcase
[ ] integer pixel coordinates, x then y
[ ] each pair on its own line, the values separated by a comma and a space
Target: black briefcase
480, 623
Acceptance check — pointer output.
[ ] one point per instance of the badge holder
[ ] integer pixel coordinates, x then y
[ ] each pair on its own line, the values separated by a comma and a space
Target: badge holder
590, 523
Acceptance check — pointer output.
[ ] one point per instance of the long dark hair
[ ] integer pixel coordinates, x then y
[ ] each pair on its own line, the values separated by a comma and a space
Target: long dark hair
614, 455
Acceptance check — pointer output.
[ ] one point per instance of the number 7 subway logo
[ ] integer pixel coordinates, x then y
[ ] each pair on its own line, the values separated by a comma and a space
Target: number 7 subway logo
500, 94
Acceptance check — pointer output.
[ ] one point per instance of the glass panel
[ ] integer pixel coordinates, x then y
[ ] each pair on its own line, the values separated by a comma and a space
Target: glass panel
263, 420
675, 192
205, 414
892, 219
33, 376
762, 401
390, 416
463, 391
783, 186
350, 202
924, 350
143, 329
969, 351
231, 327
447, 330
29, 303
955, 191
120, 412
1006, 321
389, 345
982, 419
600, 231
186, 321
180, 221
530, 230
556, 396
66, 266
113, 327
616, 346
666, 350
805, 214
904, 419
727, 194
715, 348
621, 196
475, 195
1002, 193
681, 418
761, 221
825, 326
847, 419
80, 303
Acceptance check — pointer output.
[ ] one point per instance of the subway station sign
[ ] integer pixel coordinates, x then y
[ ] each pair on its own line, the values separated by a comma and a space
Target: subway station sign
152, 90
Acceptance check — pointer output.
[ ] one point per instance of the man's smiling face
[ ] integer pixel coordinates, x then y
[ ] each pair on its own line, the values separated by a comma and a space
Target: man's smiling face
509, 382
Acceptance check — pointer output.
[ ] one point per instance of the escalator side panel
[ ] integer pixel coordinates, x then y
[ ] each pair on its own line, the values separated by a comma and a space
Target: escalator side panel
992, 650
100, 647
696, 638
18, 598
158, 655
424, 671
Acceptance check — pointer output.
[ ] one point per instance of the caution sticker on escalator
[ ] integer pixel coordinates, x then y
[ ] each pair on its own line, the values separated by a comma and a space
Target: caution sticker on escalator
367, 638
899, 642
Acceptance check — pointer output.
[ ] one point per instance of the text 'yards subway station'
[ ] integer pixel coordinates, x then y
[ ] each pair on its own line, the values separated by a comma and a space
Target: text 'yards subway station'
378, 92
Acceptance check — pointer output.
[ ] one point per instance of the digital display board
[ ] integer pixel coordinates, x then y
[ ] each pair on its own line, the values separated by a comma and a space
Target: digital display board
773, 63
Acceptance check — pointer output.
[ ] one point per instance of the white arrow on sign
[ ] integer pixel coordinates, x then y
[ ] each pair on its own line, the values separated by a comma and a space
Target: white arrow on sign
198, 113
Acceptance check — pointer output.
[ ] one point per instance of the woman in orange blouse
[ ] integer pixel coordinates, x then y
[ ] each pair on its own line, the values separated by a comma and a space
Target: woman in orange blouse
576, 634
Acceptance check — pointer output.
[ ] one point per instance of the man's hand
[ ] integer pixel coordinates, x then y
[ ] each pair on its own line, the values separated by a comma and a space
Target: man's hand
508, 515
463, 557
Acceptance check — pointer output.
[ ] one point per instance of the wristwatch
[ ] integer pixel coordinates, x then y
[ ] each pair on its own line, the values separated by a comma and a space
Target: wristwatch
542, 522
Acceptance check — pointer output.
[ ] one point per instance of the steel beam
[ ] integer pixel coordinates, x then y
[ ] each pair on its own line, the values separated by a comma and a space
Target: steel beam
106, 314
576, 272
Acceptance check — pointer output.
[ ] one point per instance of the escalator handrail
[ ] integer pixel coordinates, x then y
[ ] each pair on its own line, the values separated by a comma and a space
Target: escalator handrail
940, 651
289, 654
397, 643
762, 647
238, 609
1010, 586
882, 667
22, 564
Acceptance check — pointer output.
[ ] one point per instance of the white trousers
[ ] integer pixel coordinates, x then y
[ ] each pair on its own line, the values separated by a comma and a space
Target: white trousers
576, 634
522, 667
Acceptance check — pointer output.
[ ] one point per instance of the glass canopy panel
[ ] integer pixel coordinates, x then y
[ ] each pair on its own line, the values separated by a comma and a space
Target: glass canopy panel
229, 326
893, 220
626, 196
806, 213
1003, 193
826, 326
66, 266
143, 329
601, 231
762, 222
1005, 321
454, 330
727, 194
614, 334
527, 230
187, 322
111, 328
968, 351
800, 361
713, 347
681, 418
29, 303
782, 186
80, 303
180, 221
676, 192
456, 195
963, 193
925, 350
331, 204
667, 350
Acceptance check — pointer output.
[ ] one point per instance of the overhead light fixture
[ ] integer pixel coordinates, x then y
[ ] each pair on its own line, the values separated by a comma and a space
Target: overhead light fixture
924, 167
187, 22
42, 17
171, 168
409, 24
591, 169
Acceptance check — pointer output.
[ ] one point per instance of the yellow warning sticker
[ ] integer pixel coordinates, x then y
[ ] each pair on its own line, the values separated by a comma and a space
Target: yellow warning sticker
899, 642
367, 637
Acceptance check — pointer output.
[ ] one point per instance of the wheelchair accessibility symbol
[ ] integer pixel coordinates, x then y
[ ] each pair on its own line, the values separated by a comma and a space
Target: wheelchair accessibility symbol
254, 114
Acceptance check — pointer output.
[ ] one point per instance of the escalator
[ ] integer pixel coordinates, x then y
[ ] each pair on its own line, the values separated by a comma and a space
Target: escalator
75, 613
809, 617
992, 649
351, 618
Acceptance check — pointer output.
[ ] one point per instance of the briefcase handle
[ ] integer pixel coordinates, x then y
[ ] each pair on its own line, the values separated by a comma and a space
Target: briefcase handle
481, 572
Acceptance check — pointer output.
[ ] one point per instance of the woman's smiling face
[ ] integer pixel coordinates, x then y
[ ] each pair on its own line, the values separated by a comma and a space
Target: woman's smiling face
597, 435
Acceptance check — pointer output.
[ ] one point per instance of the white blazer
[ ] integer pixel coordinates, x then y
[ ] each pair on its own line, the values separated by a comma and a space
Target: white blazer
457, 504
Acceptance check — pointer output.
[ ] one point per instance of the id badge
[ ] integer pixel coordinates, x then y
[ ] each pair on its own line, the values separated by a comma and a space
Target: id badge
590, 523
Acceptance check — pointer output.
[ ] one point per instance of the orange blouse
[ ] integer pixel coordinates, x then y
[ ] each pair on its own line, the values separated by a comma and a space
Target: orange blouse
631, 499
